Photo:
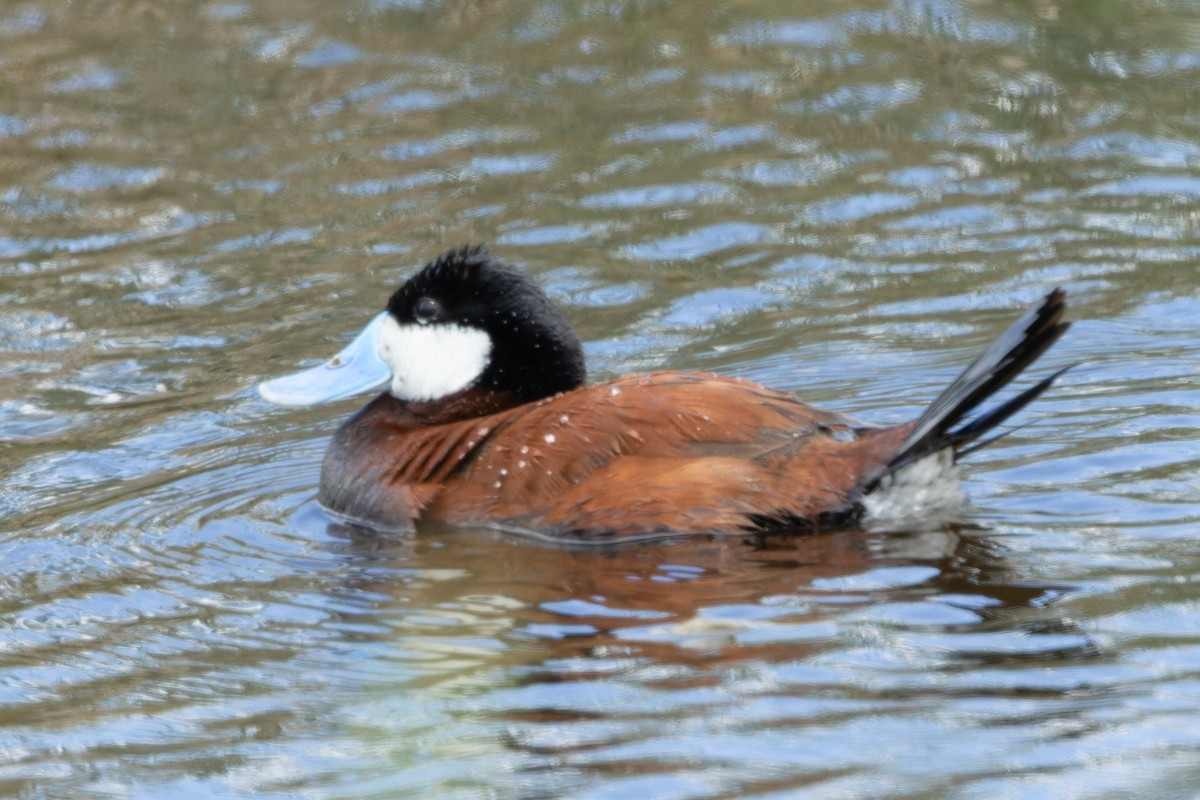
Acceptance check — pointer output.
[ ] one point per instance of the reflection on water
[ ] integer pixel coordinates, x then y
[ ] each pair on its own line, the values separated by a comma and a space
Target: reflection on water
842, 199
594, 646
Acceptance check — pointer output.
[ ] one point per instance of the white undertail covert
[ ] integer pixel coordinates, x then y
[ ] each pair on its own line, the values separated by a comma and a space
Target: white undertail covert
927, 489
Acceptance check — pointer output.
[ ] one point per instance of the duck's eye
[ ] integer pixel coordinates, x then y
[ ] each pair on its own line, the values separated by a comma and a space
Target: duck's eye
427, 309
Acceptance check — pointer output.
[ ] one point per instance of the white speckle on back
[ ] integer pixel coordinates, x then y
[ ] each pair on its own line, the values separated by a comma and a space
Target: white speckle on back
549, 437
564, 419
524, 449
432, 361
614, 391
521, 464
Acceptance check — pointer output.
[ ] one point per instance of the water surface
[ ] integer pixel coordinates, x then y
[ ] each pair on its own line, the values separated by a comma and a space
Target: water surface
846, 200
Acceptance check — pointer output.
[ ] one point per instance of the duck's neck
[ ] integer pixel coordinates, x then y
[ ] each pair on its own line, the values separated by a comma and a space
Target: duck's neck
464, 405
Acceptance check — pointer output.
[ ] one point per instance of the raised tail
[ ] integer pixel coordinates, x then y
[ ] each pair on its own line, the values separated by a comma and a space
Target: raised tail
1004, 359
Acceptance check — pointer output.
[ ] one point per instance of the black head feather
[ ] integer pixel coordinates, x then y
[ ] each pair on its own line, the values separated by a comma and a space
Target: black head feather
535, 352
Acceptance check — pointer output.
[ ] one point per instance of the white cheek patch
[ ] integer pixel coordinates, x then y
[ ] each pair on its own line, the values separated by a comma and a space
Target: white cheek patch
432, 361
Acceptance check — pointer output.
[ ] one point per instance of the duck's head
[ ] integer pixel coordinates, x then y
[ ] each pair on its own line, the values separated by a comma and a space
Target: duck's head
466, 321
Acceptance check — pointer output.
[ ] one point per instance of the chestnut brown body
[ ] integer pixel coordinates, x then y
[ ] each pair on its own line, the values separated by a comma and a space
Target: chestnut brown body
664, 451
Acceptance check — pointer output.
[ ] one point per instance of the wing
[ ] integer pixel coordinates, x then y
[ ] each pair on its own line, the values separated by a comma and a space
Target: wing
665, 451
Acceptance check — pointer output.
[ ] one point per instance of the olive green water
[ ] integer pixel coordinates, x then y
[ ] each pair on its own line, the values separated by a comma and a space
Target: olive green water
846, 200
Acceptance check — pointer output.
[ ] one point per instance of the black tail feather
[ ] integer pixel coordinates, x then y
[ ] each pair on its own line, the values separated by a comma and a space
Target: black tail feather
1004, 359
980, 425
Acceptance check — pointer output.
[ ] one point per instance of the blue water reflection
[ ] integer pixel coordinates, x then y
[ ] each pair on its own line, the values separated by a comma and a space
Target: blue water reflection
843, 201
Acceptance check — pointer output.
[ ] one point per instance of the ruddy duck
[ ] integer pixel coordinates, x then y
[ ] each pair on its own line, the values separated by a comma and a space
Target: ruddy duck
485, 418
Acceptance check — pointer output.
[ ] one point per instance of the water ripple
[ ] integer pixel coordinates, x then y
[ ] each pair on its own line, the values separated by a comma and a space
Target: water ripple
848, 205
